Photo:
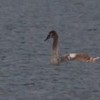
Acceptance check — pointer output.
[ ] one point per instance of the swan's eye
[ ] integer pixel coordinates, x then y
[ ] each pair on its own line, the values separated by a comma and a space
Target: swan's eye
50, 34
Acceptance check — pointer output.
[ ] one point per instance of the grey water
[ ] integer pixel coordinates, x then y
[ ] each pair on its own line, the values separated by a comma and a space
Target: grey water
25, 69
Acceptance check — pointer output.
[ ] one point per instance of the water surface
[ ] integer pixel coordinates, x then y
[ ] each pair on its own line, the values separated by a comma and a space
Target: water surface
25, 69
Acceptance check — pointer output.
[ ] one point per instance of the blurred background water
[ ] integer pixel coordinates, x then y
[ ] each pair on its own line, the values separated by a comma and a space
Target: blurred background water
25, 69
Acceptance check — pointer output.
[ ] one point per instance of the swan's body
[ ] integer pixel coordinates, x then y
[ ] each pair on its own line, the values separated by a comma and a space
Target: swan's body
56, 59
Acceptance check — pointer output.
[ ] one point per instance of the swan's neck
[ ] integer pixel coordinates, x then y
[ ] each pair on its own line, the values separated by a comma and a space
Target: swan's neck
55, 44
55, 55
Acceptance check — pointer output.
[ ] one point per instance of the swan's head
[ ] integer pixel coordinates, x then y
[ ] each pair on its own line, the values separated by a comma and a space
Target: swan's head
52, 34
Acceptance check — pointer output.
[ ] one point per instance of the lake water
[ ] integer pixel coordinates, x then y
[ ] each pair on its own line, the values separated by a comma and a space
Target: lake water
25, 69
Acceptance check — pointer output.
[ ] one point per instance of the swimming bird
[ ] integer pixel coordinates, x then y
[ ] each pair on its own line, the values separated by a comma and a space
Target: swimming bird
56, 59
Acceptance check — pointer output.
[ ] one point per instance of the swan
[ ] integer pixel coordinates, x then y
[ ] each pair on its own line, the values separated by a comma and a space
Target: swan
56, 59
